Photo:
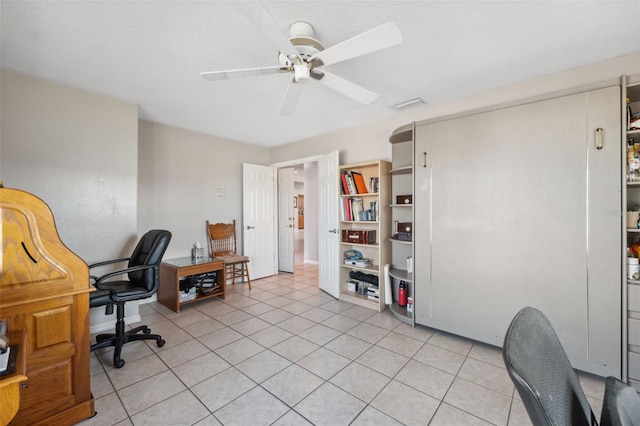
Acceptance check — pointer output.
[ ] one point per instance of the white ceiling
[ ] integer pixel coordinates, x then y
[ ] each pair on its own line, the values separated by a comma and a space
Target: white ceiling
152, 52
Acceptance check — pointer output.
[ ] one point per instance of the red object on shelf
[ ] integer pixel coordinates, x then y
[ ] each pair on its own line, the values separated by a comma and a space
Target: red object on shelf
402, 294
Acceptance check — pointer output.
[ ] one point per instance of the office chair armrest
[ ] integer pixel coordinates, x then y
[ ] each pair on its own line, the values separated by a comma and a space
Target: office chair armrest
109, 262
114, 294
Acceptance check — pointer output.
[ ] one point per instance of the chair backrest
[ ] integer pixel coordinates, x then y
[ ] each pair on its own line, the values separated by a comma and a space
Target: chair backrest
149, 251
222, 238
542, 373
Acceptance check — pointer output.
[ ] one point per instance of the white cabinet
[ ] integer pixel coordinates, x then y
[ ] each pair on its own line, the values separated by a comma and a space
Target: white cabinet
631, 90
364, 228
402, 218
518, 207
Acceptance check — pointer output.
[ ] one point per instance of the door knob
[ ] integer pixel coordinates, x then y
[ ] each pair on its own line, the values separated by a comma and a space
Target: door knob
290, 226
250, 227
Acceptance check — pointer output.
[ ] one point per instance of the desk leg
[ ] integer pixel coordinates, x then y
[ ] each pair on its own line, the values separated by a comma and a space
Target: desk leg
222, 281
169, 285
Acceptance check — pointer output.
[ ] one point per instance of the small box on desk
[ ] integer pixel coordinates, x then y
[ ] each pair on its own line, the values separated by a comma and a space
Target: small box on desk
358, 236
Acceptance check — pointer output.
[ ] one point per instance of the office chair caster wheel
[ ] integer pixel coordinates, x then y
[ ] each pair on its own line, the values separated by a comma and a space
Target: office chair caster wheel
147, 330
119, 363
161, 343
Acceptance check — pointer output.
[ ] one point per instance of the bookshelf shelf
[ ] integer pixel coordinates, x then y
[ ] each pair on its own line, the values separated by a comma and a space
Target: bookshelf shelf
401, 176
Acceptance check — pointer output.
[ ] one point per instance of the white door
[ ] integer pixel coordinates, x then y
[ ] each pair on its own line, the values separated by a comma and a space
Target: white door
285, 220
328, 241
259, 219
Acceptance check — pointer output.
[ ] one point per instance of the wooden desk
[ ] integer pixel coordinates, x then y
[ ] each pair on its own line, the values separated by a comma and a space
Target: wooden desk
172, 270
44, 293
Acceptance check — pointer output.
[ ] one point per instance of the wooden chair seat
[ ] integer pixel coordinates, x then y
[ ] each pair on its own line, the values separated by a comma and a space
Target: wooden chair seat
233, 258
222, 245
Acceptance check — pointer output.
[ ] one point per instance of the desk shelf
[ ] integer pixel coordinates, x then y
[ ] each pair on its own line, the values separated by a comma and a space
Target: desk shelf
172, 270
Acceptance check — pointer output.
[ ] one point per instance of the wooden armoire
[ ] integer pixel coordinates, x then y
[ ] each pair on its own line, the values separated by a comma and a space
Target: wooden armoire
44, 293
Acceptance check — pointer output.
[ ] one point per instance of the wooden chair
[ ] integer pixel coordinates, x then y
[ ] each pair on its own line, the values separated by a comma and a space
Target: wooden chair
222, 244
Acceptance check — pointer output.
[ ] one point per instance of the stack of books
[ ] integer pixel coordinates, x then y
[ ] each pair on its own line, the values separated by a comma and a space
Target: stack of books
373, 293
359, 262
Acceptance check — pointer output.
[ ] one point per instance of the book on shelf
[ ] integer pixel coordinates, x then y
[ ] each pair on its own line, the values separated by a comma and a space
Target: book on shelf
352, 209
361, 186
345, 211
348, 185
374, 183
356, 208
373, 208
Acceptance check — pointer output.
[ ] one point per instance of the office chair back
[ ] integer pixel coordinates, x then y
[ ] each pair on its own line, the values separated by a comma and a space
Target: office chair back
542, 373
149, 251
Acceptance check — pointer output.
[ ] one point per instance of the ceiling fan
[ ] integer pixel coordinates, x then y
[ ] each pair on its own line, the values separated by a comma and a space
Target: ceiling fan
303, 56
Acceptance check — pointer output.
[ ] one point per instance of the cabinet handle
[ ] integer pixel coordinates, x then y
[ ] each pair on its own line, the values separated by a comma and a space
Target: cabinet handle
599, 133
28, 254
424, 159
24, 385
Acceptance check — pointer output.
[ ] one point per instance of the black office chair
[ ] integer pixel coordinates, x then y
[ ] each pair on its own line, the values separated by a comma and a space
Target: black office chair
143, 281
546, 381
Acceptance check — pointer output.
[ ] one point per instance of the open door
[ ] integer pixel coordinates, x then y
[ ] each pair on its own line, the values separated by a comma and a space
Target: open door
329, 243
259, 219
286, 220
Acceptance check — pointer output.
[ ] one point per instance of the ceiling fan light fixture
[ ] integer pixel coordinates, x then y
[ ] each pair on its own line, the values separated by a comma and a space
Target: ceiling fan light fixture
409, 102
301, 73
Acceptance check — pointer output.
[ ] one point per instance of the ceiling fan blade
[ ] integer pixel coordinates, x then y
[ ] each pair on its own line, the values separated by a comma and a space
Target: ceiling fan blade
264, 22
386, 35
347, 88
290, 100
242, 73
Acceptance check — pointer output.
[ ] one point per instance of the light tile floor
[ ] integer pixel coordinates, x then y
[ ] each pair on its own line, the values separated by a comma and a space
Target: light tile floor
286, 353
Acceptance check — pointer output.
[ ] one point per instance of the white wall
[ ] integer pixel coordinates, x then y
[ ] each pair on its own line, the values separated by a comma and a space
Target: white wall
178, 172
78, 152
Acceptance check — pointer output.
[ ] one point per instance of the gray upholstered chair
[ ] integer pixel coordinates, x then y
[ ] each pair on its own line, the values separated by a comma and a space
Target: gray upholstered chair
547, 383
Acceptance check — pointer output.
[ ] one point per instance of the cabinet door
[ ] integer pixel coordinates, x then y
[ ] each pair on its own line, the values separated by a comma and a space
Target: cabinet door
604, 252
50, 349
422, 225
513, 207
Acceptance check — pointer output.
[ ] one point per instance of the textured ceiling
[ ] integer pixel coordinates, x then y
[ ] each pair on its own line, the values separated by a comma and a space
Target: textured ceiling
152, 52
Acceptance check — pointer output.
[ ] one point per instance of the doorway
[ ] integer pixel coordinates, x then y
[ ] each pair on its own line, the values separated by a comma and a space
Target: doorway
305, 209
299, 208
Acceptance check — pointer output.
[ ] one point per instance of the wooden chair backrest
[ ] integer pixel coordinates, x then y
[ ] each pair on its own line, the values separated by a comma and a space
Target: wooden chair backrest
222, 238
